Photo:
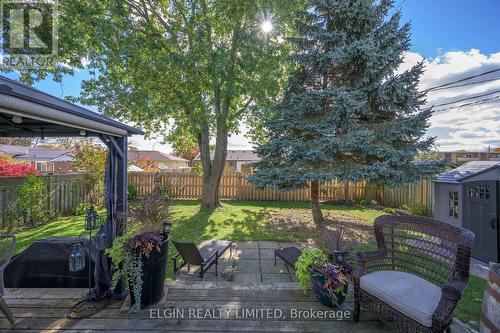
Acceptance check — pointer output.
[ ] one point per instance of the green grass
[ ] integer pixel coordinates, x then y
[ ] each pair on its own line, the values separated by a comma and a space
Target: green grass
68, 226
469, 307
250, 220
246, 220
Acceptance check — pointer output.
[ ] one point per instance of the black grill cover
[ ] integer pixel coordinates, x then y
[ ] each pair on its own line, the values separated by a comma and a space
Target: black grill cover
45, 264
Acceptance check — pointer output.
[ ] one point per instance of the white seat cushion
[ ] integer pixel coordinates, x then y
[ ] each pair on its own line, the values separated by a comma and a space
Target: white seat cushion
415, 297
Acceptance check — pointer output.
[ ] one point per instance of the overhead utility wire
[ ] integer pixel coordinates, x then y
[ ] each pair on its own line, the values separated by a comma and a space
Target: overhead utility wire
462, 80
482, 101
467, 98
467, 84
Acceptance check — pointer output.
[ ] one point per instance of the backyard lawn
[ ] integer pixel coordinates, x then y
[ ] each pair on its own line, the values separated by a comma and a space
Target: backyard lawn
263, 220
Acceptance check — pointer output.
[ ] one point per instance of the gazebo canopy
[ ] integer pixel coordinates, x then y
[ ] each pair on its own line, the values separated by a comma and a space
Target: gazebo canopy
28, 112
42, 114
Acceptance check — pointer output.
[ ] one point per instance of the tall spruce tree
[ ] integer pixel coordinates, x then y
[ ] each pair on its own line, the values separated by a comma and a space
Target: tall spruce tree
346, 114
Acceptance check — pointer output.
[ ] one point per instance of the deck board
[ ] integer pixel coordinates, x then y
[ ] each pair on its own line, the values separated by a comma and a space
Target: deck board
45, 310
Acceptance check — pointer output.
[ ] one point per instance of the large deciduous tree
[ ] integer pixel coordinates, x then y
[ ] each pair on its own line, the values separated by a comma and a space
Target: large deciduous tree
196, 67
346, 113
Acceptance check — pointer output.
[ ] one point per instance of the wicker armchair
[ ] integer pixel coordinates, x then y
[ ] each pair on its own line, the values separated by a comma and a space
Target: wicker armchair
7, 246
418, 274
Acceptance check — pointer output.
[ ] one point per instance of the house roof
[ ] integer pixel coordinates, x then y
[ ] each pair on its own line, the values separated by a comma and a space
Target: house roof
134, 168
248, 155
467, 171
36, 106
153, 155
36, 154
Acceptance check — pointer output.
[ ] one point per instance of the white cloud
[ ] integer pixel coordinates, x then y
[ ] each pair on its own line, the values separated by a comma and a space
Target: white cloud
471, 127
474, 127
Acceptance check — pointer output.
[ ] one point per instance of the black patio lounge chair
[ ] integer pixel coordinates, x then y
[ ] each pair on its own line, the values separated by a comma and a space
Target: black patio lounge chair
205, 257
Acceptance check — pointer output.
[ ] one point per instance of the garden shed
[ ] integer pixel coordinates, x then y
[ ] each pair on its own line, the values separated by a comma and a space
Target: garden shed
468, 197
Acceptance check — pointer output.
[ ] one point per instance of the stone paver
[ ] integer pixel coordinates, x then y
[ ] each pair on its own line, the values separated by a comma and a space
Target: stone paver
254, 262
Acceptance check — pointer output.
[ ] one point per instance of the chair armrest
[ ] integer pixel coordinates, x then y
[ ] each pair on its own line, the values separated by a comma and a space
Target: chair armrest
454, 289
366, 257
450, 295
215, 253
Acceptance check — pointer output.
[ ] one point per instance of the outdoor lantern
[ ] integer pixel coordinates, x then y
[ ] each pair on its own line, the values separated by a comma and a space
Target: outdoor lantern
76, 259
101, 239
167, 226
93, 219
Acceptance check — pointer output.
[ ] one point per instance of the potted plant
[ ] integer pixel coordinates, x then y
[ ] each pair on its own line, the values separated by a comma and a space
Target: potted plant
330, 282
140, 255
326, 271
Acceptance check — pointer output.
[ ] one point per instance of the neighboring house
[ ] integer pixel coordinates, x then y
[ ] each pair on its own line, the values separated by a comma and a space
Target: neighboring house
44, 159
157, 161
134, 168
460, 157
236, 160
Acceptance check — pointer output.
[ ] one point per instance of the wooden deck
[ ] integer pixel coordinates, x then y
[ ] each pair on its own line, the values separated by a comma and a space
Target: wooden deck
208, 307
261, 299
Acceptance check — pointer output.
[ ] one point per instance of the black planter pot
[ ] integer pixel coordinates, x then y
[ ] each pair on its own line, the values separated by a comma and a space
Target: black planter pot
154, 270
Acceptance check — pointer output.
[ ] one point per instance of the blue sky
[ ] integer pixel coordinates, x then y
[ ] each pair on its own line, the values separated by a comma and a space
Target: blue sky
439, 26
457, 38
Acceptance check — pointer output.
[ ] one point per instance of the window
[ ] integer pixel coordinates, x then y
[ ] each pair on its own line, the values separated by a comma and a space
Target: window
41, 166
479, 192
453, 204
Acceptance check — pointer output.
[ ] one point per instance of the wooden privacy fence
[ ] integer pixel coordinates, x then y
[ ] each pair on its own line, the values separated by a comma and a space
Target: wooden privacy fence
234, 186
62, 193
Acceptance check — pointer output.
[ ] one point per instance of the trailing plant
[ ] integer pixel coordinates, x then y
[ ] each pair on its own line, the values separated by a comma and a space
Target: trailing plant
31, 201
304, 264
126, 252
132, 266
143, 236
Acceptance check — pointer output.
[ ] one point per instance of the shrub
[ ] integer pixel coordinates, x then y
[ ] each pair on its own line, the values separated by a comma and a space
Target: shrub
132, 192
368, 202
417, 211
31, 201
389, 210
11, 169
81, 209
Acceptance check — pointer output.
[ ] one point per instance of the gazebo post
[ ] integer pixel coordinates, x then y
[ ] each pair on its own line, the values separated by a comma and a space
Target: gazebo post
116, 196
121, 201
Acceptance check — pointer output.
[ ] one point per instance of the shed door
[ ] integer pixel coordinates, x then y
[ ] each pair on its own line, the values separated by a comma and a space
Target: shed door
480, 216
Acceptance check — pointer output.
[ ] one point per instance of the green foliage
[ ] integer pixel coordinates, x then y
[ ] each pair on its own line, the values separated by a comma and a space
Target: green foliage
196, 68
132, 265
346, 114
90, 159
416, 210
32, 196
132, 192
389, 210
81, 209
368, 202
307, 259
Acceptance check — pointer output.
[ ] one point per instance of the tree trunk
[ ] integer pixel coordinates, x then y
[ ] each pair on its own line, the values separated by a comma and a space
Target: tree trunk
213, 167
316, 209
